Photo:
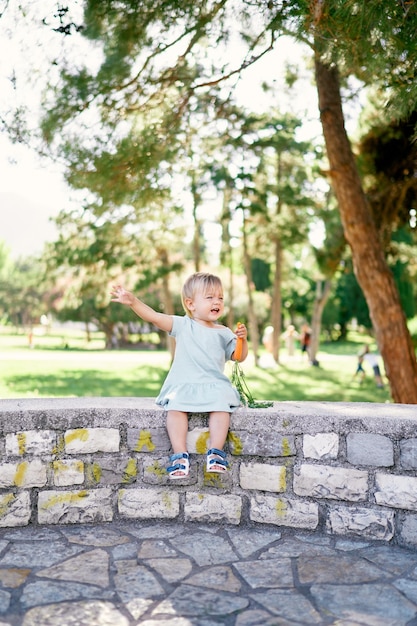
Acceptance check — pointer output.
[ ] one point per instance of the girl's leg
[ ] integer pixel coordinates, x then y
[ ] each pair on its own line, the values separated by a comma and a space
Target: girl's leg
219, 422
177, 427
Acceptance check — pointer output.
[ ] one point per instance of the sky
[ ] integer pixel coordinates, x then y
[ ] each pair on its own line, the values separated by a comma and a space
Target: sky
32, 193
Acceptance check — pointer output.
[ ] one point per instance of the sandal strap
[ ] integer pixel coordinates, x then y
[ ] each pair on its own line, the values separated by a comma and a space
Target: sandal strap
221, 460
179, 455
178, 466
217, 452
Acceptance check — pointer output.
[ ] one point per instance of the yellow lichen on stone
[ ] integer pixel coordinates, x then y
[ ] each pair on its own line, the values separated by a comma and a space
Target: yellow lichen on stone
281, 508
80, 433
19, 476
211, 479
5, 503
286, 448
282, 482
60, 446
94, 472
201, 445
130, 471
156, 469
145, 441
167, 500
62, 498
21, 443
236, 443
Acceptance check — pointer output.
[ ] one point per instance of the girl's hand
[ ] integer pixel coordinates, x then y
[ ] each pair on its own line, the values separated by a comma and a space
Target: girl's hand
241, 331
119, 294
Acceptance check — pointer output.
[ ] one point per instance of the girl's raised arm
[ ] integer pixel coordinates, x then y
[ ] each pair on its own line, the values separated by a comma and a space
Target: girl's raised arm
142, 310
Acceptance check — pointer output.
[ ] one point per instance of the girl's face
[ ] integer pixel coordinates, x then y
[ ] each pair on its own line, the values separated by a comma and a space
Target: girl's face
206, 306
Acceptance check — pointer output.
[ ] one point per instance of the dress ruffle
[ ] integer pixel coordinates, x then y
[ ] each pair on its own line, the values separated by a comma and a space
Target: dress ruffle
199, 397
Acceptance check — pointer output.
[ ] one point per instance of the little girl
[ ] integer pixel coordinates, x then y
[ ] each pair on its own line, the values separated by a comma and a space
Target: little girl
196, 382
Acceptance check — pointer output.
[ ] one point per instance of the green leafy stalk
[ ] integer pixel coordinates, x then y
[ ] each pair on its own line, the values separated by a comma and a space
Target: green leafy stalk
246, 397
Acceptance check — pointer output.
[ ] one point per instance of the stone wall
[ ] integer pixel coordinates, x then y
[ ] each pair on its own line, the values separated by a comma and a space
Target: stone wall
346, 469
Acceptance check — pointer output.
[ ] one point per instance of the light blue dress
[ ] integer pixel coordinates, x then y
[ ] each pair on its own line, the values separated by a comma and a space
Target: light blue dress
196, 382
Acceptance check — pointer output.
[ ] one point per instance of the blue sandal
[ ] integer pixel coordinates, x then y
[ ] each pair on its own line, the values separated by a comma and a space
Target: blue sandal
183, 466
216, 461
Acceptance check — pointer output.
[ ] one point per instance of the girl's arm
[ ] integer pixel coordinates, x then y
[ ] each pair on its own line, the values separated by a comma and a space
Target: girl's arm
142, 310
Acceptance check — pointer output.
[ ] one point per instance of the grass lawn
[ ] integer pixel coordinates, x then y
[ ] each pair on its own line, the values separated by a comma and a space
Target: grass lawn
64, 364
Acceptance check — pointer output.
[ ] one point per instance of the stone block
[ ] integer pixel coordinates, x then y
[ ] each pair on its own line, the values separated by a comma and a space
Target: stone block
325, 481
35, 442
396, 491
408, 453
15, 509
147, 439
148, 503
68, 472
89, 440
75, 507
111, 470
203, 507
270, 444
284, 512
360, 521
369, 449
322, 446
26, 474
408, 529
263, 477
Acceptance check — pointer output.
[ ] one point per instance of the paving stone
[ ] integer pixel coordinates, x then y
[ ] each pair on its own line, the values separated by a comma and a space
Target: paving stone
289, 604
156, 531
47, 592
260, 618
394, 560
76, 614
272, 573
32, 534
133, 580
13, 577
220, 577
370, 604
204, 550
247, 542
294, 548
343, 568
187, 600
38, 554
4, 601
89, 567
93, 536
171, 570
154, 548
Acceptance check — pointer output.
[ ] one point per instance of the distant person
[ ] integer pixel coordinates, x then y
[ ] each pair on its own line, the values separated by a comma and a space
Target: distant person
267, 361
359, 368
267, 339
305, 339
196, 382
290, 336
372, 360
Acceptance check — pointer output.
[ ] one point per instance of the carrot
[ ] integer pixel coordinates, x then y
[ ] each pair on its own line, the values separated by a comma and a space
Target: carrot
239, 347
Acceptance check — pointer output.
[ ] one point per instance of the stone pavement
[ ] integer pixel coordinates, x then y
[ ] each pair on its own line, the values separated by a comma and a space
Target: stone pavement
167, 574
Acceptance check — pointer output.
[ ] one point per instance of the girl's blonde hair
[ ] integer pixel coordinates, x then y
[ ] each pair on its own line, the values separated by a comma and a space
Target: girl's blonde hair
199, 282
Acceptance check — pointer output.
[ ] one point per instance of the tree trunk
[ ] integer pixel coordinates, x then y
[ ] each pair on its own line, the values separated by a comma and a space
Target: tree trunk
253, 320
322, 295
167, 296
276, 309
371, 269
